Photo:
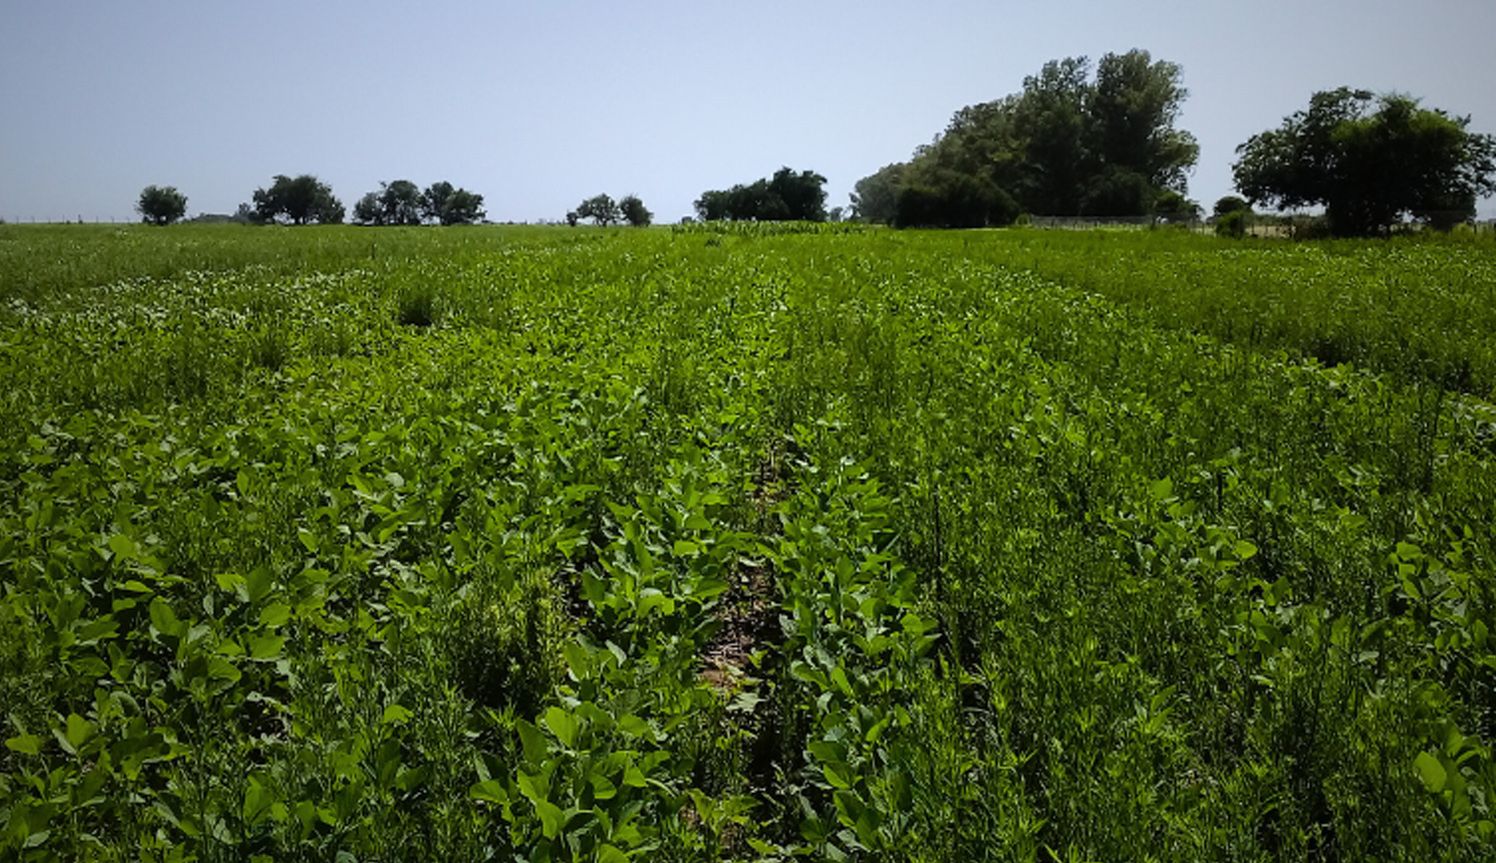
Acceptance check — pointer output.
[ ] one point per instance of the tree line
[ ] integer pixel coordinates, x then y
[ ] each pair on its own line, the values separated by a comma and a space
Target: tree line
1104, 143
401, 202
306, 200
1078, 139
786, 196
1074, 142
604, 211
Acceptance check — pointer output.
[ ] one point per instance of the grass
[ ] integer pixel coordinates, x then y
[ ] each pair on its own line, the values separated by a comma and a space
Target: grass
743, 545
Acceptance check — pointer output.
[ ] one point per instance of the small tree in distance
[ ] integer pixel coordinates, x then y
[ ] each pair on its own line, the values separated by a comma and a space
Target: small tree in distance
396, 203
787, 196
367, 210
1232, 217
1173, 207
601, 209
434, 199
634, 211
401, 202
449, 205
303, 200
161, 205
1231, 204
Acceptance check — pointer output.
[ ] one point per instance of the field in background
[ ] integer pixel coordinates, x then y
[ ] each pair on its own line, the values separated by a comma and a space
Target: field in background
744, 543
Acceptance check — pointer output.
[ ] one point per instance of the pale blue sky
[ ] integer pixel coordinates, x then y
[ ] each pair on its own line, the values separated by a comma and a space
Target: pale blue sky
538, 104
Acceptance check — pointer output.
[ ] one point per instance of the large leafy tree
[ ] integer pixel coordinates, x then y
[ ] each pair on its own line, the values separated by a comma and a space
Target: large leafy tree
714, 205
461, 207
161, 205
450, 205
300, 200
1050, 120
634, 212
367, 211
1069, 143
434, 199
396, 203
601, 209
1371, 161
875, 197
1133, 107
803, 194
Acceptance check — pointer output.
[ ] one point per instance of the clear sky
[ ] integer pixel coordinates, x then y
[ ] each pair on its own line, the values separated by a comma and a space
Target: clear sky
539, 104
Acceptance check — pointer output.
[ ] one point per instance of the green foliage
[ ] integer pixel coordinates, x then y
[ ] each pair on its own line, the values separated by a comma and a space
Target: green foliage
301, 200
1133, 107
443, 203
1231, 204
601, 209
634, 212
786, 197
1370, 169
434, 199
1232, 224
948, 199
813, 541
1172, 206
403, 203
161, 205
462, 208
1067, 145
396, 203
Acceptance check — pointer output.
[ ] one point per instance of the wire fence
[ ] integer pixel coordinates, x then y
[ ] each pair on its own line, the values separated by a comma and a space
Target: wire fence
203, 218
1287, 227
32, 220
1087, 223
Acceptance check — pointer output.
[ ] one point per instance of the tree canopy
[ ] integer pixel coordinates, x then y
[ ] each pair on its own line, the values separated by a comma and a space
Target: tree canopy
601, 209
1172, 206
461, 207
401, 202
450, 205
396, 203
161, 205
786, 196
875, 197
434, 199
301, 200
1371, 161
634, 212
1231, 204
1070, 143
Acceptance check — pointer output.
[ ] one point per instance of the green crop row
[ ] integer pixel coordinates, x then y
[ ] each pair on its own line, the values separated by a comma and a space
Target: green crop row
1421, 309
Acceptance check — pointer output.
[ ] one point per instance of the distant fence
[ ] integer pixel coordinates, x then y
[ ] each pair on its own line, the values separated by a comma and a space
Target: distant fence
1263, 226
7, 220
1086, 223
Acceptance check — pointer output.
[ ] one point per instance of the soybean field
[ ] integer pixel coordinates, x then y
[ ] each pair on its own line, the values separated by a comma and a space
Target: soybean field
745, 543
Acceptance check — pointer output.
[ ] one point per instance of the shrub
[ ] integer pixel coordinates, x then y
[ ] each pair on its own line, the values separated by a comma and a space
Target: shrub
1233, 224
1231, 204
